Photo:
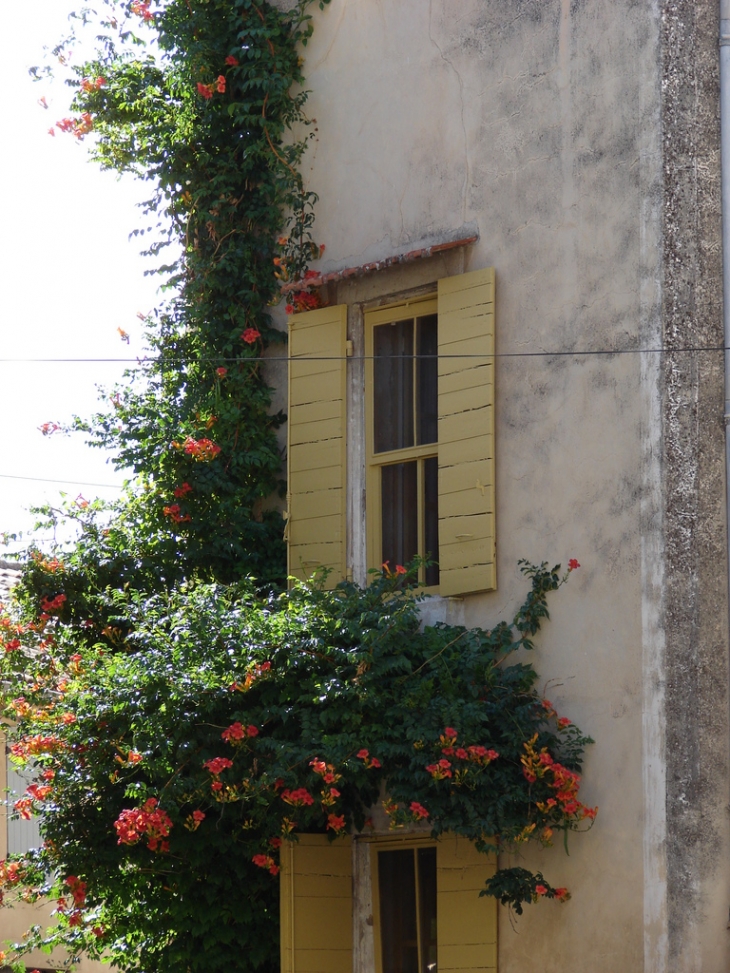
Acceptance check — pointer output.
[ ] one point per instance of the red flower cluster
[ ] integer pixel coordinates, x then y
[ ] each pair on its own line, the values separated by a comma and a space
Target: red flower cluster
173, 512
441, 770
48, 428
250, 335
236, 733
217, 765
24, 807
182, 490
231, 61
142, 9
298, 798
203, 450
20, 706
148, 821
266, 861
89, 84
475, 753
77, 126
329, 797
34, 746
562, 895
51, 564
133, 757
251, 677
370, 762
336, 822
325, 771
304, 300
39, 792
10, 873
221, 372
53, 604
194, 820
78, 890
207, 90
418, 811
573, 564
564, 782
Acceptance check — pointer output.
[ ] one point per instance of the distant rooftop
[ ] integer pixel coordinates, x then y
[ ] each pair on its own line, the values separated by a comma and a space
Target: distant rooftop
9, 577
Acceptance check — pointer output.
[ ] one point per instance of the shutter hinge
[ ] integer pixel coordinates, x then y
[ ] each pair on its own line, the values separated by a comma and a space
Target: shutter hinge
349, 348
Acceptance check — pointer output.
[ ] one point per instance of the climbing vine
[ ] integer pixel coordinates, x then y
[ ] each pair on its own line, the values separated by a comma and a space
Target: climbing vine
174, 755
204, 100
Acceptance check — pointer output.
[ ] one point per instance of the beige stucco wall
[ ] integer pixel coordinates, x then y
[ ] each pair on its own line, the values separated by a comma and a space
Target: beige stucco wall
543, 123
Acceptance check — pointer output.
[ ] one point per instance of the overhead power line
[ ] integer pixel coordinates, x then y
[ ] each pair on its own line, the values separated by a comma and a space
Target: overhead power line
606, 352
41, 479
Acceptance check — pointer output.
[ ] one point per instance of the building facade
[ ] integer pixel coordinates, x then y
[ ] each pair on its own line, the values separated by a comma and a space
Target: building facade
560, 160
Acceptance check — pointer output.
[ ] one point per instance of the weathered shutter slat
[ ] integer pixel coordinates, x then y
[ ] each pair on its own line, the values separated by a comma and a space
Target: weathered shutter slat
467, 560
316, 905
466, 924
316, 442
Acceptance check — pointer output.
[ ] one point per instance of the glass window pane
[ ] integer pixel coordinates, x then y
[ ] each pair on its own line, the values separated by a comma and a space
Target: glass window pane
399, 500
393, 392
427, 908
431, 516
398, 925
427, 337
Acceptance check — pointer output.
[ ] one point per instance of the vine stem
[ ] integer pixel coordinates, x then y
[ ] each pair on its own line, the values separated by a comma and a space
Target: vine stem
271, 144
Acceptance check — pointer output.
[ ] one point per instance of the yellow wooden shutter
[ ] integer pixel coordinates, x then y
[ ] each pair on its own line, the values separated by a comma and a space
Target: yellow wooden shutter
467, 559
466, 924
316, 905
316, 442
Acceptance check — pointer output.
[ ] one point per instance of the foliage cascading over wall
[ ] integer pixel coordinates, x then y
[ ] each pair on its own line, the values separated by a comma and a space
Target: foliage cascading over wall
170, 769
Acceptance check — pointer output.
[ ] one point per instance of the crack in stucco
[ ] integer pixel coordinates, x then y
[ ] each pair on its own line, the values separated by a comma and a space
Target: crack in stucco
467, 173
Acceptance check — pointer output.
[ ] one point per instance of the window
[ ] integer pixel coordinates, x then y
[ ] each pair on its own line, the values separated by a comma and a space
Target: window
386, 904
401, 348
429, 436
406, 895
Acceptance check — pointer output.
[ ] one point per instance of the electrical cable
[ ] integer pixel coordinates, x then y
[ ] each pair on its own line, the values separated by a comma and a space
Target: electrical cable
41, 479
286, 358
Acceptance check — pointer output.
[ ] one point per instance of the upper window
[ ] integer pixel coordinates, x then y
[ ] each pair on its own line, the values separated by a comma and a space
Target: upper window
402, 386
429, 437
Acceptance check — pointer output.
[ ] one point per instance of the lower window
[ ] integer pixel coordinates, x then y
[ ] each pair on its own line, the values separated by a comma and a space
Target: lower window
407, 910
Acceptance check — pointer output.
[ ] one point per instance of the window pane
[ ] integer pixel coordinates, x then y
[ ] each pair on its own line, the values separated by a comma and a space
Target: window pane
398, 928
427, 908
399, 499
427, 379
431, 516
393, 393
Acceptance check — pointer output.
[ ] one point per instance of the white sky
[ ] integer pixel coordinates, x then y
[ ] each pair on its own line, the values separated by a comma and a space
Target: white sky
69, 277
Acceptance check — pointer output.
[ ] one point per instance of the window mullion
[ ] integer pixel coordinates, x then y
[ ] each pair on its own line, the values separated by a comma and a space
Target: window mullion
419, 937
419, 481
421, 494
